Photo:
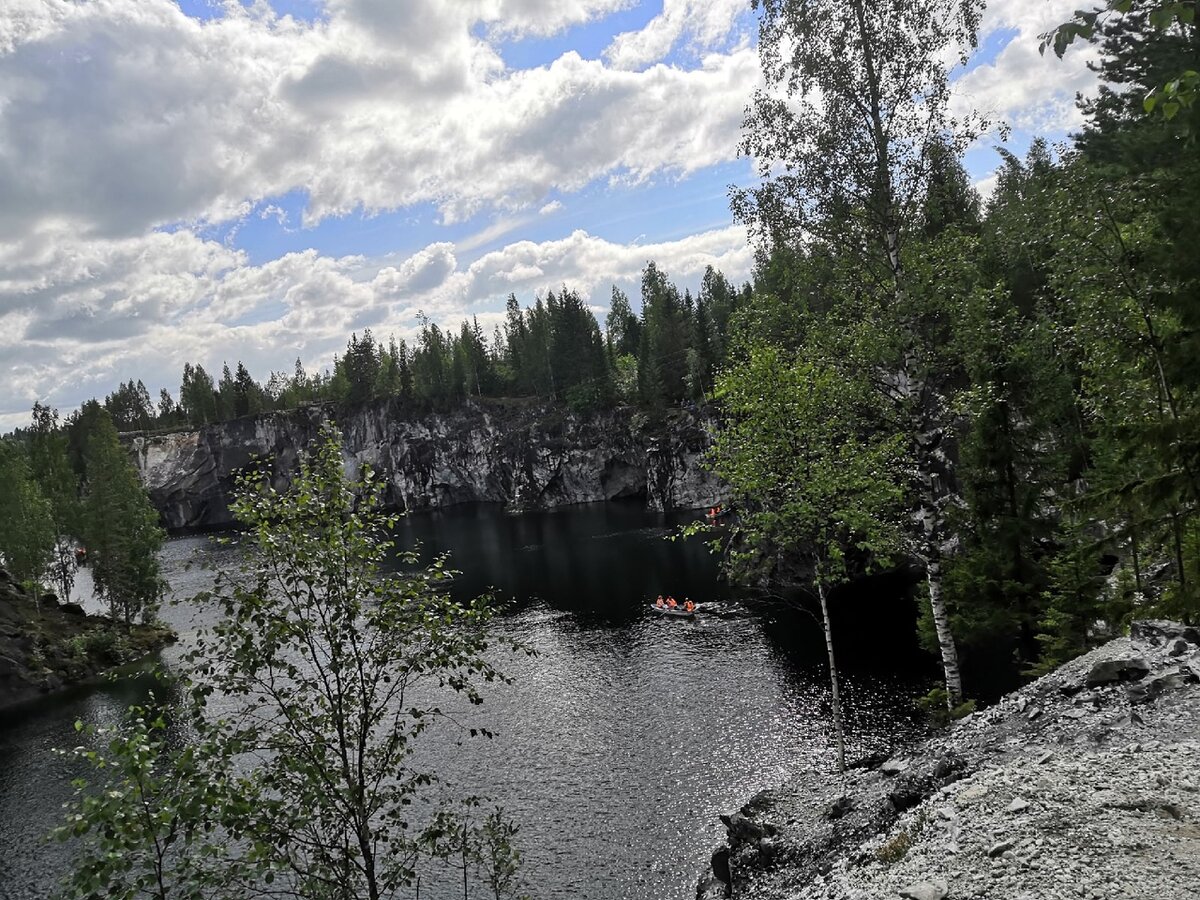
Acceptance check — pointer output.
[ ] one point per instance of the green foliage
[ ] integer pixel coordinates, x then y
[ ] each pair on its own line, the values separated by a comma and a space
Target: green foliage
813, 470
165, 823
895, 848
51, 467
104, 645
120, 529
335, 666
1039, 355
936, 706
27, 535
813, 474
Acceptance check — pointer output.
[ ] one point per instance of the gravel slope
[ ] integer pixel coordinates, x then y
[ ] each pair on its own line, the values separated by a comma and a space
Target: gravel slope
1083, 784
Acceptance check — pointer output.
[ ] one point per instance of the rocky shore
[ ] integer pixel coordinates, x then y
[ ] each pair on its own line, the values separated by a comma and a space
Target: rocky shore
46, 647
523, 454
1083, 784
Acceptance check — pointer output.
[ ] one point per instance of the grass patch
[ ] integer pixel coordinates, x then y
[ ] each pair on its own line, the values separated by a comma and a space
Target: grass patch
895, 848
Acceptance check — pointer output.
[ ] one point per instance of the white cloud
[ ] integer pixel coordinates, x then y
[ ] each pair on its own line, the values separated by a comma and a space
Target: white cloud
541, 18
377, 106
985, 187
1022, 87
706, 24
126, 126
141, 307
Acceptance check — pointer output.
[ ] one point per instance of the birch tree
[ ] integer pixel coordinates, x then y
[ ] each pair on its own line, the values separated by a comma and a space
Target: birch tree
813, 474
854, 111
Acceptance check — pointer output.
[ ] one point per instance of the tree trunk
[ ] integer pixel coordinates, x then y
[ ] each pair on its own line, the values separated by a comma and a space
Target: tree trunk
838, 727
931, 465
922, 405
941, 624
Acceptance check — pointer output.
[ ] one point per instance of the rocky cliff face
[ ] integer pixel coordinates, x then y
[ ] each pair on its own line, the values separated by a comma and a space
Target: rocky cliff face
526, 456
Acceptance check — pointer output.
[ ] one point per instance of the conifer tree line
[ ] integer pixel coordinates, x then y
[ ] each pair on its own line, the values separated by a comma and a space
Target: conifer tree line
553, 349
1014, 380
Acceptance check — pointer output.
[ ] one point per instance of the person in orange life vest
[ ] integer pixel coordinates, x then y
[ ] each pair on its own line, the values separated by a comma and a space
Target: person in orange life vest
689, 606
659, 604
671, 604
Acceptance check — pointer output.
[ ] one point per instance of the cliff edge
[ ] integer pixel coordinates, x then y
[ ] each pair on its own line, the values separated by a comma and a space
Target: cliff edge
1083, 784
525, 455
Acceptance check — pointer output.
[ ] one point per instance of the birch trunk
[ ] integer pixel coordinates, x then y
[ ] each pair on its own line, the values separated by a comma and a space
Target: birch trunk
839, 730
941, 624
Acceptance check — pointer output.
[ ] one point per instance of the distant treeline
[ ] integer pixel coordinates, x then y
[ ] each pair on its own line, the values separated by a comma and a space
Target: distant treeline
554, 349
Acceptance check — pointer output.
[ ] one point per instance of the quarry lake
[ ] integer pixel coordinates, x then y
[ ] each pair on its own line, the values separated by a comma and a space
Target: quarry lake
620, 741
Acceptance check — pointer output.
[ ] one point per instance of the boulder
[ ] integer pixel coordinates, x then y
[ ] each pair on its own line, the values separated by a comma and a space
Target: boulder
1110, 671
1000, 848
973, 793
721, 871
73, 609
745, 831
949, 766
926, 890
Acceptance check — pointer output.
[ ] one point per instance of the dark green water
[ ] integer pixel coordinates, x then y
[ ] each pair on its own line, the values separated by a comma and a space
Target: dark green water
619, 743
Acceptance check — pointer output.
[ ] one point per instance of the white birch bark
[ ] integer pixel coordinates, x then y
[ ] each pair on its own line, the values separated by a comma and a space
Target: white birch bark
838, 726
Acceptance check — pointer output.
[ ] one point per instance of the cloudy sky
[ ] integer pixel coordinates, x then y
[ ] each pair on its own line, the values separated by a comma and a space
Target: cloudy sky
215, 180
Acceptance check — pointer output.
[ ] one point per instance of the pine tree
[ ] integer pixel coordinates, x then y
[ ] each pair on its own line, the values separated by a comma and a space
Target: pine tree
197, 396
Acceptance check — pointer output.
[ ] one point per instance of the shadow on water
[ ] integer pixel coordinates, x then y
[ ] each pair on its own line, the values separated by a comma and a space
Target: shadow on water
620, 741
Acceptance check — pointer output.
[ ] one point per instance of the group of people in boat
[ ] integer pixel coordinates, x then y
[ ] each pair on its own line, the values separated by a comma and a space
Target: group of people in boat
714, 512
672, 603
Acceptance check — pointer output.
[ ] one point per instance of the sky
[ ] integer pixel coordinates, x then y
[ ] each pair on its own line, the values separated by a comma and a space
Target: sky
210, 181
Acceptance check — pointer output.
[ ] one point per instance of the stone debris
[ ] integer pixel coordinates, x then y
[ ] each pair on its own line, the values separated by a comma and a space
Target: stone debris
1060, 791
973, 793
